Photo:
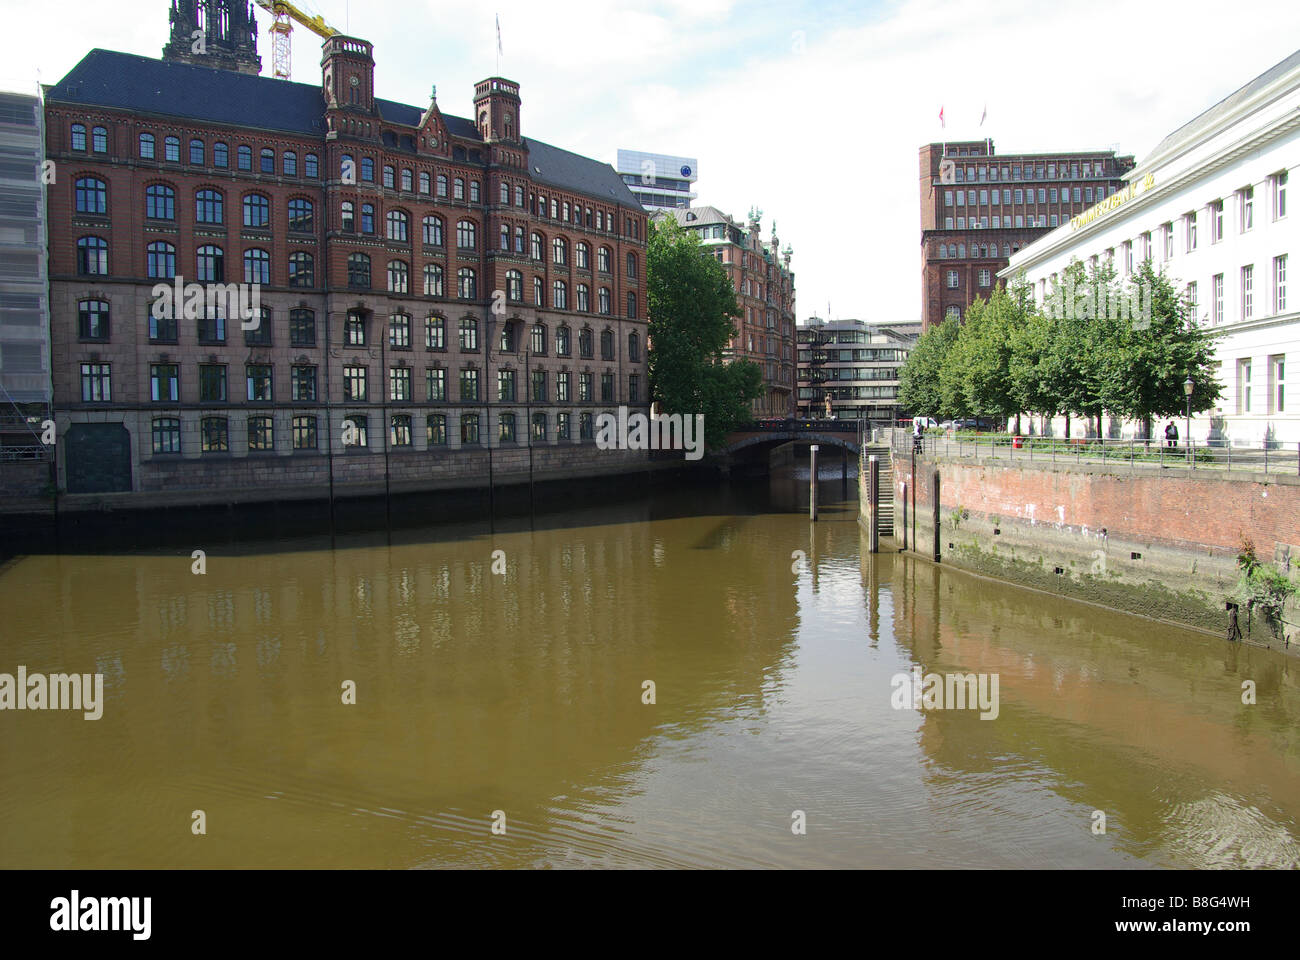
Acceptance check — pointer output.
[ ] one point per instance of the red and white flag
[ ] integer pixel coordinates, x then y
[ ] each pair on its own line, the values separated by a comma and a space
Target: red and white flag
941, 122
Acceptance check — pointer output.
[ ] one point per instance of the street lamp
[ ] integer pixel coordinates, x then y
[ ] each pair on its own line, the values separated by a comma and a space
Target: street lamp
1188, 387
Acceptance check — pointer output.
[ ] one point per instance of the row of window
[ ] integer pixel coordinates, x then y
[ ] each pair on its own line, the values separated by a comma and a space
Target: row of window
164, 384
214, 432
147, 146
93, 323
1246, 300
966, 198
90, 197
1030, 171
981, 251
1275, 388
1032, 221
985, 279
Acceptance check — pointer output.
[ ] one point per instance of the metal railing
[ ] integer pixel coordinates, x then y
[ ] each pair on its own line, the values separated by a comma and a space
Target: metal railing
1154, 453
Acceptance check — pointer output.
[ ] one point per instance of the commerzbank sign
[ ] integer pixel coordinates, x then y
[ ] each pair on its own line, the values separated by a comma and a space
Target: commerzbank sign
1116, 199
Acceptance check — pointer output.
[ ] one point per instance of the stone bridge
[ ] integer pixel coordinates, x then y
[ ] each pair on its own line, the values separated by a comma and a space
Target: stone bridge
829, 433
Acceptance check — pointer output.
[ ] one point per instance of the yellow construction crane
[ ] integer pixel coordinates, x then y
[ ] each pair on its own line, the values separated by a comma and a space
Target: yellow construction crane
282, 30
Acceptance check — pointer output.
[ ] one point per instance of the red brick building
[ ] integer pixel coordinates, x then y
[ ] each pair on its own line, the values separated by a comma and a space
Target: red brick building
978, 208
764, 283
429, 284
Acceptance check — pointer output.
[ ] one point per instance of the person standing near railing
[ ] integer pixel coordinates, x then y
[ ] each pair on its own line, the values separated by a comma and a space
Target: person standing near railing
1171, 435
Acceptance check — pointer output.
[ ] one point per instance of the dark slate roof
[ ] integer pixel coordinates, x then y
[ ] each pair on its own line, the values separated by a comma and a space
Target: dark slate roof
1203, 121
701, 216
124, 81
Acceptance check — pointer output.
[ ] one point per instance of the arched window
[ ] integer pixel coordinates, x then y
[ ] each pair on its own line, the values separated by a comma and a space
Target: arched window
584, 297
407, 181
602, 259
633, 348
583, 256
146, 143
433, 231
198, 153
92, 256
289, 163
99, 141
466, 235
257, 266
348, 220
514, 286
433, 280
505, 236
91, 195
442, 184
631, 265
398, 226
458, 189
466, 283
368, 169
244, 157
559, 251
424, 181
943, 251
602, 300
631, 304
961, 251
399, 276
607, 344
211, 263
268, 160
311, 166
585, 343
79, 138
301, 215
367, 218
159, 202
160, 259
390, 177
257, 210
537, 246
473, 191
562, 345
302, 269
209, 206
359, 271
92, 320
220, 154
539, 292
560, 295
503, 194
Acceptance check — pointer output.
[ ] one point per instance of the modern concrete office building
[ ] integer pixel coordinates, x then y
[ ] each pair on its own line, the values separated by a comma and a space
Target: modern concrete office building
659, 181
854, 364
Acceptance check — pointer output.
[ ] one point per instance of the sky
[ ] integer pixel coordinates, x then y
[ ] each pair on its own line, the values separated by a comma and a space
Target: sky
811, 111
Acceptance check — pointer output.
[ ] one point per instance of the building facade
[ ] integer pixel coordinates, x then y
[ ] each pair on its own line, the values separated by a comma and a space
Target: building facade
427, 286
1211, 207
854, 365
659, 181
978, 209
764, 283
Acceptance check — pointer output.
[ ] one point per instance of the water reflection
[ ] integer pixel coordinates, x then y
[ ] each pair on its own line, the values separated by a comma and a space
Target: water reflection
522, 692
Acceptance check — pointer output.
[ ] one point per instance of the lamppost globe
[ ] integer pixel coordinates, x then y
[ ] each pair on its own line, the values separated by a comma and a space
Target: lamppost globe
1188, 387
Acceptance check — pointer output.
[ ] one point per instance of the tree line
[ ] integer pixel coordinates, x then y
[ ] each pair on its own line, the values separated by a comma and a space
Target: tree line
1094, 346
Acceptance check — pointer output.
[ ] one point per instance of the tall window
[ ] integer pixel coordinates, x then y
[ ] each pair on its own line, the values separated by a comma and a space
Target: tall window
399, 384
442, 185
259, 381
159, 202
467, 283
1216, 221
583, 297
354, 383
289, 163
536, 246
631, 304
92, 320
506, 426
91, 195
559, 251
1247, 291
212, 383
257, 266
1278, 181
160, 260
257, 211
631, 266
96, 382
583, 252
359, 271
562, 345
197, 153
172, 149
1277, 373
214, 435
92, 256
433, 231
399, 331
220, 154
537, 340
1246, 204
354, 330
166, 435
562, 386
1217, 285
1189, 221
607, 344
458, 189
469, 385
367, 218
311, 168
433, 282
1279, 284
506, 386
514, 286
603, 300
399, 430
539, 292
164, 383
304, 432
468, 334
397, 226
435, 379
1243, 386
301, 213
560, 295
209, 207
261, 433
562, 429
633, 348
469, 432
302, 327
466, 234
539, 386
260, 335
79, 137
244, 157
399, 276
146, 143
302, 382
268, 160
602, 259
301, 269
585, 343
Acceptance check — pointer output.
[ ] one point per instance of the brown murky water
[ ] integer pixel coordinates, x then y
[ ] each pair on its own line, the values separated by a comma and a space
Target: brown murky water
522, 693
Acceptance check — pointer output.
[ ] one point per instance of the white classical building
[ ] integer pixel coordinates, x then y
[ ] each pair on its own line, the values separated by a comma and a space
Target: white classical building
1211, 206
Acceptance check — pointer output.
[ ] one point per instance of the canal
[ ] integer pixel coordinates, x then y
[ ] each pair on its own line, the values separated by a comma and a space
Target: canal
511, 688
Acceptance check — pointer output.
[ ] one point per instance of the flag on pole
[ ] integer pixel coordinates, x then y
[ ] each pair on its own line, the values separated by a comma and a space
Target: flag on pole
984, 115
941, 122
499, 51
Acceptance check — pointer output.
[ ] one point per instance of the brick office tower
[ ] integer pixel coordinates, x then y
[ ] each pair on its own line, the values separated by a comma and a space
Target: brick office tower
991, 206
764, 283
429, 285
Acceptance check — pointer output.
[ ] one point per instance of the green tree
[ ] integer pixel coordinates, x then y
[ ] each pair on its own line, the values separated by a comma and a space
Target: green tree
919, 390
976, 375
691, 306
